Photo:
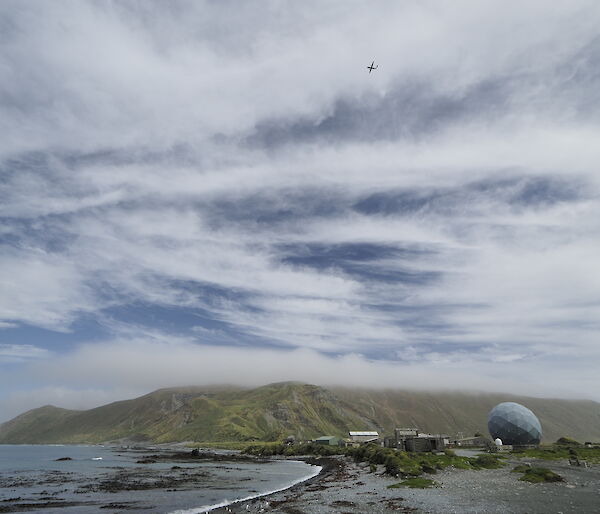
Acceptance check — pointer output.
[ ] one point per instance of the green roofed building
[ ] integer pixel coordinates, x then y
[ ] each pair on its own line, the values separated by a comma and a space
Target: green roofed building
329, 440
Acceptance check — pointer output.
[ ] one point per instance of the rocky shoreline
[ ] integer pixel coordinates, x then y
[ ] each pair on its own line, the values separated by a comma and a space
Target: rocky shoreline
117, 488
345, 487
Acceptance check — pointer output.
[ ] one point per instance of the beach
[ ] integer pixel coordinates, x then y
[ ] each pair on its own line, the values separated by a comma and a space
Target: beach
177, 480
90, 479
346, 487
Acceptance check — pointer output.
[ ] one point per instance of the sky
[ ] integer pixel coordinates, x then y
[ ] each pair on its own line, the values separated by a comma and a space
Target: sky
206, 192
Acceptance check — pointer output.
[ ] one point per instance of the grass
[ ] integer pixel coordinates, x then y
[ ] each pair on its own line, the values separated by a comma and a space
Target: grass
270, 449
486, 462
539, 475
415, 483
559, 452
396, 463
568, 441
228, 445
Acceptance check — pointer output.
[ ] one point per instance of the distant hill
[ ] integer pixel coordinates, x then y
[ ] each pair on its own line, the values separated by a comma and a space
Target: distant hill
274, 411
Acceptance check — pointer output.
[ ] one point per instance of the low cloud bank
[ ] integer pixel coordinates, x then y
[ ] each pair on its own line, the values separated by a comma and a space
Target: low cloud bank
124, 369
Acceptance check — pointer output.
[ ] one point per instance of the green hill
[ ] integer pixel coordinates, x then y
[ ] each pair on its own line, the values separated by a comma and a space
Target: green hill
453, 412
274, 411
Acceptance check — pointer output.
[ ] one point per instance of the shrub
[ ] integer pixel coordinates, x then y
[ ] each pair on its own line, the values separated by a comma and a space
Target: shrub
392, 465
567, 441
415, 483
427, 468
538, 475
486, 461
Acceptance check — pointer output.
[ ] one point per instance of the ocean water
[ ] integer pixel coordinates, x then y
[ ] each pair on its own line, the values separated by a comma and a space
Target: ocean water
97, 476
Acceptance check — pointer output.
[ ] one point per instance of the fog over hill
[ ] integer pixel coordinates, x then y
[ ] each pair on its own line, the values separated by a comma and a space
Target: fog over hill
272, 412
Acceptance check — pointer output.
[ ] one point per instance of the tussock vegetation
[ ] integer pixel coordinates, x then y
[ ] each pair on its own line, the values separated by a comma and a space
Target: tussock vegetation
395, 463
537, 475
486, 462
415, 483
567, 441
268, 450
559, 452
224, 445
403, 463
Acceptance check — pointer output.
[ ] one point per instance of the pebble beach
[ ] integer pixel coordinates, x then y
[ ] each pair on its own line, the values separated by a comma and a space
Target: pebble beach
346, 487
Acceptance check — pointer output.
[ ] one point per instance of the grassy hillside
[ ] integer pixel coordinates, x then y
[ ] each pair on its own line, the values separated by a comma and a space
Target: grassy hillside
277, 410
451, 412
201, 414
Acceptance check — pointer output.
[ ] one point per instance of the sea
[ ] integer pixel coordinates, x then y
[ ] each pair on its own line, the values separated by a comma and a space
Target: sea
92, 477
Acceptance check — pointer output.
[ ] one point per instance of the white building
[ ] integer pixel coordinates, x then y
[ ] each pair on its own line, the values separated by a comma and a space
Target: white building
364, 437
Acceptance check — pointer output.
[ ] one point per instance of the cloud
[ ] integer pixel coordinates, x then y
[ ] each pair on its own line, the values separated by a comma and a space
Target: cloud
48, 291
137, 364
15, 403
233, 179
21, 352
127, 368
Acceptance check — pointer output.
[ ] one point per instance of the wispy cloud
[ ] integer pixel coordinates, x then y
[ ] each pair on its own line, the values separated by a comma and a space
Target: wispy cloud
21, 352
232, 180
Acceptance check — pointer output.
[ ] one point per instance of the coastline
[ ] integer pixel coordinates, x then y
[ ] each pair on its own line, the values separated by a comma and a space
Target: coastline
341, 486
86, 478
344, 486
337, 484
227, 504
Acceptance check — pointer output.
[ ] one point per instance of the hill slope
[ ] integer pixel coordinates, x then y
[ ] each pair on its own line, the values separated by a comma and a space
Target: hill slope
452, 412
276, 410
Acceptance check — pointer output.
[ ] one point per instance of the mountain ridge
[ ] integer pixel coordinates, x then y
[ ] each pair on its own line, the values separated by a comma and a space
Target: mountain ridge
273, 411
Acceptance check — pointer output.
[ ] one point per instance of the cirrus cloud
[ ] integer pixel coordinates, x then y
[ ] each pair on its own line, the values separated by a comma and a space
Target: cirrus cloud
229, 182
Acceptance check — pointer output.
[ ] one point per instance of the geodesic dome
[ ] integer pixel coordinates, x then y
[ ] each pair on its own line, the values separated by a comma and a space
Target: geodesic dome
514, 424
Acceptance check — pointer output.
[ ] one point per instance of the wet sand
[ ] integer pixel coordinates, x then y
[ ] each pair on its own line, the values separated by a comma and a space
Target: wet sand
345, 487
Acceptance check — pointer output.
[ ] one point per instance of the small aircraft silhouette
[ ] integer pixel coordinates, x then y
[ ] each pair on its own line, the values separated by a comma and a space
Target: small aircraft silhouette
372, 67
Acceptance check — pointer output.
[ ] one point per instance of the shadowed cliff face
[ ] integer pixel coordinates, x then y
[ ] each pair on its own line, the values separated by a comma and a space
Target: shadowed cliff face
275, 411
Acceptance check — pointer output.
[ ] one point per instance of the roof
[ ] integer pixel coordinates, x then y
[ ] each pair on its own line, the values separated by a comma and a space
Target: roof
368, 434
326, 437
371, 440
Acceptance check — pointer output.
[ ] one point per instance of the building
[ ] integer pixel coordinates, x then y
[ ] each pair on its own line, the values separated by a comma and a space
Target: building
426, 443
412, 440
364, 437
515, 424
477, 441
329, 440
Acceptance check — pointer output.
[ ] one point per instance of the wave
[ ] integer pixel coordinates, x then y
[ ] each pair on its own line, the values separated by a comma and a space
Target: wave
225, 503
